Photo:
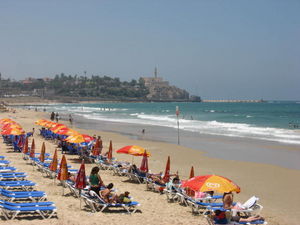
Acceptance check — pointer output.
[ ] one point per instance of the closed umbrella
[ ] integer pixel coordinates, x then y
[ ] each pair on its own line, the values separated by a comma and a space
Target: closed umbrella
188, 190
42, 155
109, 155
54, 162
192, 174
80, 182
25, 147
63, 171
32, 149
96, 150
166, 177
144, 164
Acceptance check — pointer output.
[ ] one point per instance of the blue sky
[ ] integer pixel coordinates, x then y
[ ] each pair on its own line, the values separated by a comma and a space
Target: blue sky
226, 49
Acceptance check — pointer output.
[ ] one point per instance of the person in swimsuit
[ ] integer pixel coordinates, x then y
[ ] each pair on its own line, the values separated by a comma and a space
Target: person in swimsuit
95, 180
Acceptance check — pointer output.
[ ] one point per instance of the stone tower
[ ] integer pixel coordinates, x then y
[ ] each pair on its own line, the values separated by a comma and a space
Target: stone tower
155, 72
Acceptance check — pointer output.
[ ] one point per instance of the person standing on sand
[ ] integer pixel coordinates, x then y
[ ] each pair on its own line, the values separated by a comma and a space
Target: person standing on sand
52, 116
70, 119
57, 117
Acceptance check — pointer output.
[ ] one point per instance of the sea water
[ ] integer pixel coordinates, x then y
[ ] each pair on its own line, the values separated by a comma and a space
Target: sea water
277, 121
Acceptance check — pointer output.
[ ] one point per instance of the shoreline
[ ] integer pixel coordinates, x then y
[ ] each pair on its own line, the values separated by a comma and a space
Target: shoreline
279, 196
222, 147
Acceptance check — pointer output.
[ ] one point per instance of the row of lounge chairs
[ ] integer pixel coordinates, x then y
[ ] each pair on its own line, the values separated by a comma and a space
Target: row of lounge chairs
90, 198
203, 206
18, 196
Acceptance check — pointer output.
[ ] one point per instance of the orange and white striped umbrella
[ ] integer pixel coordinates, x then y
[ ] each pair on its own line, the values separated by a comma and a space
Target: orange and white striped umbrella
211, 183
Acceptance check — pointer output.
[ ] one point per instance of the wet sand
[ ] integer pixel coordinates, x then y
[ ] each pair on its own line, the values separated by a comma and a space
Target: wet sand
277, 187
229, 148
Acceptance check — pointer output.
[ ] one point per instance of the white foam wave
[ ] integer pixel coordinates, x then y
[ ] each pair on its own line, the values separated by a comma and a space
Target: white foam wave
210, 127
204, 127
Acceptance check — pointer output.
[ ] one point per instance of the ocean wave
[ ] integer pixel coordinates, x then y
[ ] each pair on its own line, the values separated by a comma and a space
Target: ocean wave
241, 130
213, 127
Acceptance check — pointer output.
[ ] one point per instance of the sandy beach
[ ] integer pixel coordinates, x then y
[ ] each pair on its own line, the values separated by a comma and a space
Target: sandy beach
277, 187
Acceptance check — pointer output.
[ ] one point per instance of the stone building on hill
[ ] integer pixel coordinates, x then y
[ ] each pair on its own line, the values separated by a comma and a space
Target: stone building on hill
160, 90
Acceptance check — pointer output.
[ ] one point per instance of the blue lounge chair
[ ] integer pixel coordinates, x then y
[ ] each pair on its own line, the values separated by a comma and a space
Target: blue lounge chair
212, 222
12, 176
17, 184
22, 195
10, 212
4, 162
4, 169
93, 200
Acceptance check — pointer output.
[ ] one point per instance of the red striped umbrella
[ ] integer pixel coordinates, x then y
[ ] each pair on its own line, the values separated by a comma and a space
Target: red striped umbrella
133, 150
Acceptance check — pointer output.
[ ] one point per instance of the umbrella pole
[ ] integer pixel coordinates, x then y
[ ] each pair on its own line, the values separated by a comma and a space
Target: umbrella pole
63, 190
80, 199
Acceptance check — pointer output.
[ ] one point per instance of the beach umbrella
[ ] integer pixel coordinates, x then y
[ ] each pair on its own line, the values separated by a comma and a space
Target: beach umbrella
21, 141
81, 178
144, 164
192, 174
5, 120
188, 190
80, 138
38, 122
133, 150
96, 150
43, 123
48, 124
54, 162
57, 127
109, 154
80, 182
63, 171
42, 155
32, 149
66, 131
211, 183
11, 125
25, 147
13, 131
166, 177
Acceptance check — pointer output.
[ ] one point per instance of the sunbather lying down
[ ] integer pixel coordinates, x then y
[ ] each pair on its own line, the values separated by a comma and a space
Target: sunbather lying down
110, 197
222, 217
